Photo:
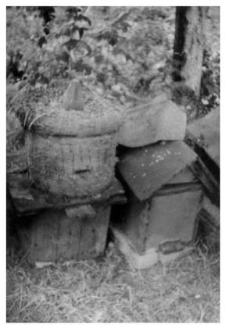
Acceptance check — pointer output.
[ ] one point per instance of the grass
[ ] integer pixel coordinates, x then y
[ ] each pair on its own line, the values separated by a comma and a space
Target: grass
107, 290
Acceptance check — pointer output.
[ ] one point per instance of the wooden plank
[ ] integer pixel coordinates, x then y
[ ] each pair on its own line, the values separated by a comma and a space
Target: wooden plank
173, 189
29, 200
68, 237
38, 236
93, 233
210, 184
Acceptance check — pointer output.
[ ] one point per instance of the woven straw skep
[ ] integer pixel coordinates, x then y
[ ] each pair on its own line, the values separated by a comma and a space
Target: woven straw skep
74, 167
72, 153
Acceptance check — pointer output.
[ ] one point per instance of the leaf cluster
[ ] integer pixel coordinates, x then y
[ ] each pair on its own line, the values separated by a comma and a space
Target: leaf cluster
41, 41
125, 52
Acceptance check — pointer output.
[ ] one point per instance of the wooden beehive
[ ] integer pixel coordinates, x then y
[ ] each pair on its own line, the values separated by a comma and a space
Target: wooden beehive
57, 235
159, 220
66, 231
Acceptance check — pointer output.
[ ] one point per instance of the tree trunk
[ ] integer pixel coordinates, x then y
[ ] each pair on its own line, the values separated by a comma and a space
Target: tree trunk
188, 46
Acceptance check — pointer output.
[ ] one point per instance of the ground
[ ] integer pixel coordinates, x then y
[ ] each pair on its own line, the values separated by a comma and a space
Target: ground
108, 290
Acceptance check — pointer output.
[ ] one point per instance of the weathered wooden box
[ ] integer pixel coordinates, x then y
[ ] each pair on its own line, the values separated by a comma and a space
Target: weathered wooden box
159, 220
74, 229
60, 235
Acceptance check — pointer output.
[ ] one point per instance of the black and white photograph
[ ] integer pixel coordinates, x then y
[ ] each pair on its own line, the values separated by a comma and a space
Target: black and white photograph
112, 181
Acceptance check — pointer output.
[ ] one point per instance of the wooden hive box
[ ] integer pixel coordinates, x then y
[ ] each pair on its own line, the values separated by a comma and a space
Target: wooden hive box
76, 229
159, 220
60, 235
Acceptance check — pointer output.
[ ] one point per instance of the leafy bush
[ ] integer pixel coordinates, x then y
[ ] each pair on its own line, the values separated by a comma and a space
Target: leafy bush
125, 52
39, 43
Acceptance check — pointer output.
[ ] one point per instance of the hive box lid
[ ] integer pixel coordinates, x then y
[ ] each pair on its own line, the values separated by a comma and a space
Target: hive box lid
148, 168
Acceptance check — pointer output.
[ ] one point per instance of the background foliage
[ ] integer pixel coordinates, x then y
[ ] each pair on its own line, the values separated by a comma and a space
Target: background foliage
125, 52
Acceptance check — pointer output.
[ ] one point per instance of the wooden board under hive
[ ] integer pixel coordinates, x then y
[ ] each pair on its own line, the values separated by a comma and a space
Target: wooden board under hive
59, 235
56, 230
159, 220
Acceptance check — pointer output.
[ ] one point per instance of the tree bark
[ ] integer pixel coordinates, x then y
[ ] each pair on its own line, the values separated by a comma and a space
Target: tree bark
188, 46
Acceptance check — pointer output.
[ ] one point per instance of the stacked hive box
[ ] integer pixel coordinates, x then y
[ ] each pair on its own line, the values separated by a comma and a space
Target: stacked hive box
70, 184
159, 220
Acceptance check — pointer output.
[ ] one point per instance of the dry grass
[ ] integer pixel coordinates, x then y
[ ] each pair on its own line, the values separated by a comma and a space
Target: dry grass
107, 290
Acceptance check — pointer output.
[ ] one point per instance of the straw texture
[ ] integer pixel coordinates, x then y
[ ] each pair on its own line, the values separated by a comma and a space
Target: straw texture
74, 167
69, 152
